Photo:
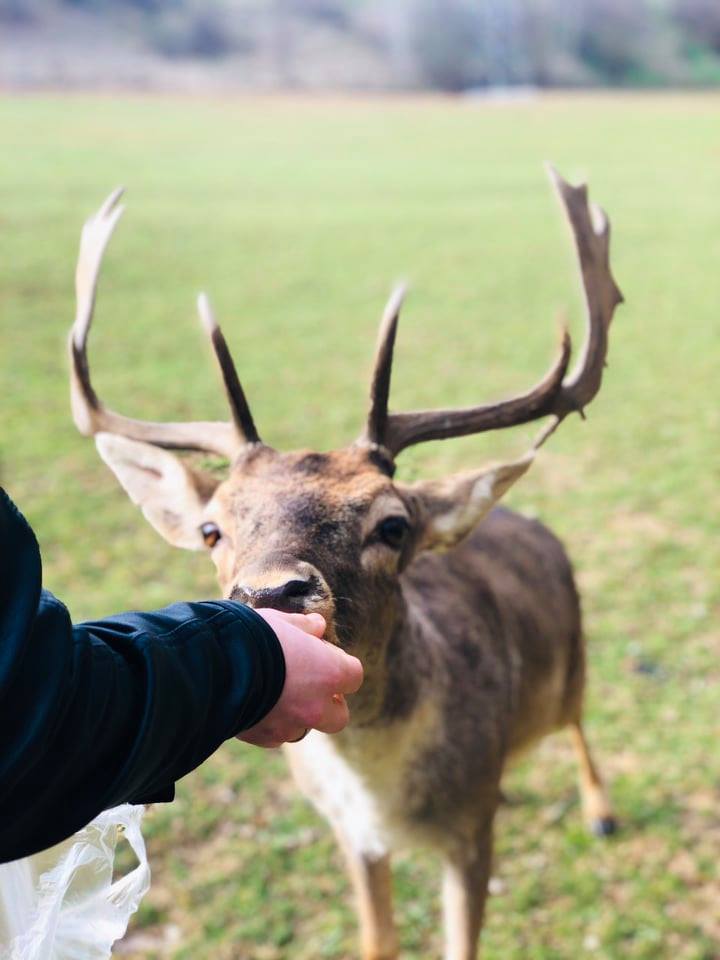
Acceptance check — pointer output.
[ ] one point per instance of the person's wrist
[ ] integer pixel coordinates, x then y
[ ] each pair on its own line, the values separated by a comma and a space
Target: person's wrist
262, 666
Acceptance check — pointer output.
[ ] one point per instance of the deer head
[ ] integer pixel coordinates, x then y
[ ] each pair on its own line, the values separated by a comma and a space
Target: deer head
331, 531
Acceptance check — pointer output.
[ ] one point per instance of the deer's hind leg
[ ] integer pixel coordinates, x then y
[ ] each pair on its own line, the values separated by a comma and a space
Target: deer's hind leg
465, 884
597, 810
595, 801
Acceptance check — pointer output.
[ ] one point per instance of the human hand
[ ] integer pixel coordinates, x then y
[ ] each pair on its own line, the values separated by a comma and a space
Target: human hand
317, 676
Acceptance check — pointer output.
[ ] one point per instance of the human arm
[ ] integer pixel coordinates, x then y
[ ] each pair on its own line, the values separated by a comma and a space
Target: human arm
116, 710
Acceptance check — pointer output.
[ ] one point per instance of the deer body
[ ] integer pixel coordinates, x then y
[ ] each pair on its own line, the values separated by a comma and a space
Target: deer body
483, 657
469, 632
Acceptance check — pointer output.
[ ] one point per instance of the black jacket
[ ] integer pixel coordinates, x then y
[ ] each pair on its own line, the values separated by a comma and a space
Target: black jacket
113, 711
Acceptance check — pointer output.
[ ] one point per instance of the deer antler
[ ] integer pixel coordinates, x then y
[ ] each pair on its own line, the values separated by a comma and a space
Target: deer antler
591, 230
555, 395
89, 413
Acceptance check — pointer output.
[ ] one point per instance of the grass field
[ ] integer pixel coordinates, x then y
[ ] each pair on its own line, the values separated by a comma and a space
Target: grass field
296, 216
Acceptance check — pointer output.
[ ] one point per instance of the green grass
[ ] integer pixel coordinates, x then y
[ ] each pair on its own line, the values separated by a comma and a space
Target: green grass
296, 215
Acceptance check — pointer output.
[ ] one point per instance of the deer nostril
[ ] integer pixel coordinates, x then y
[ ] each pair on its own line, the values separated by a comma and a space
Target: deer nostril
289, 596
296, 588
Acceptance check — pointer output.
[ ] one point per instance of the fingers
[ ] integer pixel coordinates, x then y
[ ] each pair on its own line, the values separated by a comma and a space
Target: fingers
344, 673
350, 671
260, 738
318, 677
334, 717
352, 674
312, 623
272, 735
328, 716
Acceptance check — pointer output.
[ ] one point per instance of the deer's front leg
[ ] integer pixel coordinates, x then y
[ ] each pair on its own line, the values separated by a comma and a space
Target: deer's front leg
465, 883
372, 881
341, 796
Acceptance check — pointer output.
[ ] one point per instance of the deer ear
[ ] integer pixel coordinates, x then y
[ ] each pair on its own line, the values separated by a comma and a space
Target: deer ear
451, 507
170, 495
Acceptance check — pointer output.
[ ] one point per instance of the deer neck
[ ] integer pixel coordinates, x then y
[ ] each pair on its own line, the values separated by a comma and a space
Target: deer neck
390, 646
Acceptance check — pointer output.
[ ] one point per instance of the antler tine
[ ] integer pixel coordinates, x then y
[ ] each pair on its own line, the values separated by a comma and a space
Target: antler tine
591, 233
405, 429
553, 395
380, 388
94, 238
242, 418
89, 413
396, 431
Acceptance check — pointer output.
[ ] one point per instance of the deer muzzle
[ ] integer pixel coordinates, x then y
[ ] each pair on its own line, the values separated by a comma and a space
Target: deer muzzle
301, 589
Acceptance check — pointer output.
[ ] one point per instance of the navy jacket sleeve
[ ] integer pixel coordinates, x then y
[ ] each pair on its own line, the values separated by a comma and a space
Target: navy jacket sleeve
114, 711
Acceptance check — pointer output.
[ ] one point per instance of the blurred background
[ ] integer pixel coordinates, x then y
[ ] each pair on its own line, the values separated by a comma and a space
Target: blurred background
293, 158
359, 45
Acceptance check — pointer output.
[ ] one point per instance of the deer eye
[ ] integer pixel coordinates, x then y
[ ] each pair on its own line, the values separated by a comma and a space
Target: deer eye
392, 531
210, 534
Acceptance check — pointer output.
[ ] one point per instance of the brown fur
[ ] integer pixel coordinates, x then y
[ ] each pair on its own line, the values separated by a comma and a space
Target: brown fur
470, 635
470, 655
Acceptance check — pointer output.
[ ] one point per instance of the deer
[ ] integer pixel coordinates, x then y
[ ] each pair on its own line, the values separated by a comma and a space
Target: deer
464, 614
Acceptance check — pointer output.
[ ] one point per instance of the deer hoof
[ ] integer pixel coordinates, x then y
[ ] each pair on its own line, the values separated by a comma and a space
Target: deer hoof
604, 826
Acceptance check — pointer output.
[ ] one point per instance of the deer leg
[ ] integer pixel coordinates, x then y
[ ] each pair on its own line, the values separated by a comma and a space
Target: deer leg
465, 883
337, 793
372, 881
595, 802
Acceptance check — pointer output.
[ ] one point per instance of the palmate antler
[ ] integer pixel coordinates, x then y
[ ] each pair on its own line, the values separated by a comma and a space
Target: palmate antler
89, 413
556, 395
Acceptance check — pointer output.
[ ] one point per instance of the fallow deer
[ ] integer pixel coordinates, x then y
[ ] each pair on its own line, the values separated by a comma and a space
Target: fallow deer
470, 633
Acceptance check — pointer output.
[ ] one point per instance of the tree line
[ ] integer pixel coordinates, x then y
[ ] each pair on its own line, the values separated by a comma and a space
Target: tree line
451, 45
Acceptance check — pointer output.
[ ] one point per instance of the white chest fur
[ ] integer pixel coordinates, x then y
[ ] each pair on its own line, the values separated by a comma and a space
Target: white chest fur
339, 793
358, 780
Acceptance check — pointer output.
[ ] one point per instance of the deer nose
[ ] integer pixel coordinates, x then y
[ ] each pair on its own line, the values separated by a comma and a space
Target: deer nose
288, 597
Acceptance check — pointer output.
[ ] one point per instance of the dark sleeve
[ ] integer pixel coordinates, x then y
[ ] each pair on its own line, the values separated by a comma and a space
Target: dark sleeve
113, 711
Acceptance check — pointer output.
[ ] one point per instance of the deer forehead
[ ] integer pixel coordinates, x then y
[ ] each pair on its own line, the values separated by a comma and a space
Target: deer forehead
304, 488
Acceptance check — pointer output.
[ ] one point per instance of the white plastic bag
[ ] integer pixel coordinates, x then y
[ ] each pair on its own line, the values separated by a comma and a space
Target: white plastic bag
63, 903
